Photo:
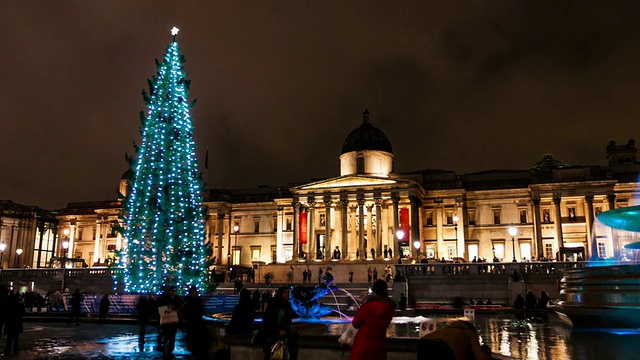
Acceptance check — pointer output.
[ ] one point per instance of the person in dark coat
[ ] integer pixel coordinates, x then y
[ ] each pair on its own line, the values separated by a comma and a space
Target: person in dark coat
167, 334
194, 325
518, 304
402, 304
13, 324
76, 303
456, 341
276, 324
4, 301
544, 301
147, 309
243, 315
104, 308
530, 301
372, 320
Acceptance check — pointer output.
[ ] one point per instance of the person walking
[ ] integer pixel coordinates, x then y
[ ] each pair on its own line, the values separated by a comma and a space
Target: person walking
76, 303
147, 308
168, 304
194, 325
104, 308
369, 275
372, 320
276, 324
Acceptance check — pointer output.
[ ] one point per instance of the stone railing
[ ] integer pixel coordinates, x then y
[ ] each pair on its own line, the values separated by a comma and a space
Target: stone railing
485, 268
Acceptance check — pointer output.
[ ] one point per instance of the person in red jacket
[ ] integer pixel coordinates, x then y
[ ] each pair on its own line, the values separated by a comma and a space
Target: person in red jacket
372, 320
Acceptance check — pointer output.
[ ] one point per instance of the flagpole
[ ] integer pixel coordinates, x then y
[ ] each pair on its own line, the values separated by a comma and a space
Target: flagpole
206, 168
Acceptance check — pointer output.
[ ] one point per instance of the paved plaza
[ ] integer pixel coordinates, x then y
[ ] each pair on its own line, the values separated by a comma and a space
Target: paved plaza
47, 340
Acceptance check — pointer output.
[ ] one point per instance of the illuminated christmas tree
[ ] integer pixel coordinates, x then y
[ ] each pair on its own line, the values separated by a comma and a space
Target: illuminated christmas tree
163, 214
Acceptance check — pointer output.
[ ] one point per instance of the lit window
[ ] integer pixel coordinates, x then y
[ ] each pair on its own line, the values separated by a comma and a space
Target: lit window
496, 216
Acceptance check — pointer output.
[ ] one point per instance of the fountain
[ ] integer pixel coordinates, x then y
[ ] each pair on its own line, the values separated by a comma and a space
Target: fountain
605, 296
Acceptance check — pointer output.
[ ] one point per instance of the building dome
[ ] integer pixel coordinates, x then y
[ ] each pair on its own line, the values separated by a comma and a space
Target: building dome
366, 137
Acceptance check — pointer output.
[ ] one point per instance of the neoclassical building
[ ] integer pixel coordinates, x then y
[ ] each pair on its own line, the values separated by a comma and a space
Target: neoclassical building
371, 211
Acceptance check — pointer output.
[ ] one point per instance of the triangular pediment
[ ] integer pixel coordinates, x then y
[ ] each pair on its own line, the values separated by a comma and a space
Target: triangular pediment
349, 181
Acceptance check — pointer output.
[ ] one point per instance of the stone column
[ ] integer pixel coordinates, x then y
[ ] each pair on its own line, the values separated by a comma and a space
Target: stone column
396, 243
593, 244
353, 235
343, 215
311, 202
280, 257
327, 228
297, 249
611, 200
72, 237
371, 244
361, 249
415, 225
220, 235
379, 252
558, 222
96, 243
229, 249
537, 227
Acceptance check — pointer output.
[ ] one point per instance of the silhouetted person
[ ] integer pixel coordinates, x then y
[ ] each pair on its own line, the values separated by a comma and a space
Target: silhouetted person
518, 304
530, 301
195, 326
544, 300
167, 334
76, 303
4, 305
243, 315
350, 276
13, 324
276, 324
104, 308
402, 304
456, 341
375, 274
147, 309
390, 253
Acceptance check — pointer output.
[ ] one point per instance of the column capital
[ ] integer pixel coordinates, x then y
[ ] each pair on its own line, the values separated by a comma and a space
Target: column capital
360, 202
536, 200
311, 201
344, 203
378, 201
557, 199
280, 208
396, 199
611, 197
589, 199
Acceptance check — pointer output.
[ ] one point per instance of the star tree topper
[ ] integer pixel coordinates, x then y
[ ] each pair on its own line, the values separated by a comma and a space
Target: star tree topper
174, 31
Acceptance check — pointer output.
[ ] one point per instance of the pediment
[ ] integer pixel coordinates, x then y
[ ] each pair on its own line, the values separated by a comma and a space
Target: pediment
349, 181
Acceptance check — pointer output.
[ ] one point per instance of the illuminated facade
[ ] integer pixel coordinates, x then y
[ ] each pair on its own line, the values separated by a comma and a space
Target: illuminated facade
440, 214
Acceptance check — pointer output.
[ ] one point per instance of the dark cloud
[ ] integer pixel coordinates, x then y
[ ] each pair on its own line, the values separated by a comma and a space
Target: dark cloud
461, 85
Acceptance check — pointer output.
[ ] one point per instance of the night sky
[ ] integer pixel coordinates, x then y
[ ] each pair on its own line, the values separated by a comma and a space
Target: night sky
458, 85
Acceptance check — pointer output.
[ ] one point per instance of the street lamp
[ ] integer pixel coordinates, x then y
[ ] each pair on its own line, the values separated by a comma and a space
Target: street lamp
455, 221
2, 247
19, 252
65, 246
400, 236
513, 231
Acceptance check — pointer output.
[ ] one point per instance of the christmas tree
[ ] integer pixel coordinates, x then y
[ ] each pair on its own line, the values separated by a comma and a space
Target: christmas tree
163, 214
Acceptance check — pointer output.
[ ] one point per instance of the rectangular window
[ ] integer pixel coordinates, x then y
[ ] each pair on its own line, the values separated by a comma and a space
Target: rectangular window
496, 216
572, 213
523, 216
360, 165
274, 253
431, 251
525, 251
255, 253
451, 250
236, 256
546, 216
472, 251
323, 220
498, 250
602, 250
288, 223
429, 218
256, 225
275, 224
548, 251
449, 217
472, 217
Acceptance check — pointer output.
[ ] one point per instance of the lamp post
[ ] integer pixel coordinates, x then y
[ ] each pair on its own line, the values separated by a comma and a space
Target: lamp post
66, 240
17, 262
236, 229
455, 221
513, 231
65, 246
400, 236
2, 247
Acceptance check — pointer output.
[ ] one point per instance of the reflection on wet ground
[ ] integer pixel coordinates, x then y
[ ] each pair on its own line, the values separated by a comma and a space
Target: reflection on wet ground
89, 341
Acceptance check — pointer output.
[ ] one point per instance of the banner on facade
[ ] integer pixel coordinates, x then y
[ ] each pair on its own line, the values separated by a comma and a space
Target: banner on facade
303, 228
404, 224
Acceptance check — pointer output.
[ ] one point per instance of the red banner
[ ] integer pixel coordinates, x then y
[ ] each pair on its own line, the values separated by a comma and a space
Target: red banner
303, 228
404, 224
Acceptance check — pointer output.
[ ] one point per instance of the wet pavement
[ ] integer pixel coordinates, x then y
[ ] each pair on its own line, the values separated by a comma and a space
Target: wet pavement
88, 341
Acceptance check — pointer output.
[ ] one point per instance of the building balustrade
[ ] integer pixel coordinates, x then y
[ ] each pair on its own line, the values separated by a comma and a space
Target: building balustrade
523, 268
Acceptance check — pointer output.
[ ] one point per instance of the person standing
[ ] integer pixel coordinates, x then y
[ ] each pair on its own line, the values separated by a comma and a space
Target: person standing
402, 305
194, 325
104, 308
319, 275
13, 325
169, 301
369, 275
76, 303
456, 341
375, 274
530, 300
390, 253
350, 276
4, 305
372, 320
373, 253
276, 324
243, 315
